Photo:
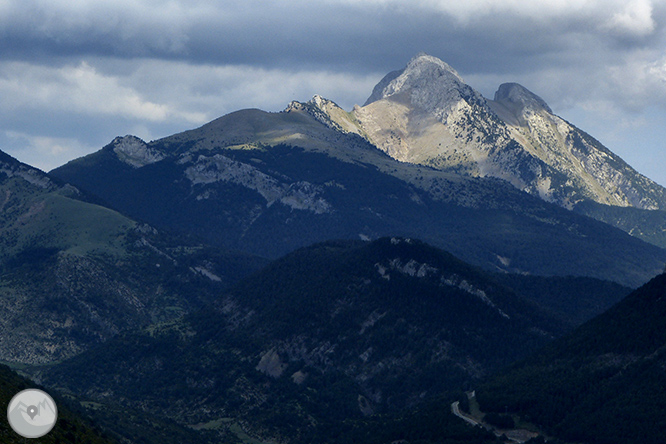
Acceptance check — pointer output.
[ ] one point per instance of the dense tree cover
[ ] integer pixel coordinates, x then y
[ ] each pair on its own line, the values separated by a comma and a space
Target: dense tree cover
644, 224
364, 327
500, 421
431, 423
601, 384
479, 220
84, 299
571, 300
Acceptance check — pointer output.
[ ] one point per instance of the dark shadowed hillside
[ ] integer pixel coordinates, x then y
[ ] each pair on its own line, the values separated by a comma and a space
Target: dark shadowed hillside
601, 384
328, 334
72, 425
268, 183
90, 272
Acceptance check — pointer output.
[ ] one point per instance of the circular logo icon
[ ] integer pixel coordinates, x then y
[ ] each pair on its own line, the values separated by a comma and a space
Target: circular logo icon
32, 413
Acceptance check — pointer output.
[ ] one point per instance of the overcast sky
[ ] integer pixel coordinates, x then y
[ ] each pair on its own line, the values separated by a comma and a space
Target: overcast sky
76, 73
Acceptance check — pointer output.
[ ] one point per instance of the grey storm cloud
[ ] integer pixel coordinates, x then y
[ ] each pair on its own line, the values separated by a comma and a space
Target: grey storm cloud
95, 69
361, 35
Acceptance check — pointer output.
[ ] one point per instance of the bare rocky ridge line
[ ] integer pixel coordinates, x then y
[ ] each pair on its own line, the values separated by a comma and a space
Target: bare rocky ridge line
426, 114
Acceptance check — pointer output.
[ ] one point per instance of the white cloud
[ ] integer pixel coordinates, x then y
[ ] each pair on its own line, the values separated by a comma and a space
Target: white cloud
44, 152
635, 19
637, 83
76, 88
89, 91
208, 91
658, 70
89, 103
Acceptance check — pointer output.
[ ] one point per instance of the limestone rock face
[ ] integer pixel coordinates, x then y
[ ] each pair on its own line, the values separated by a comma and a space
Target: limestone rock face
592, 171
10, 167
426, 114
135, 152
428, 84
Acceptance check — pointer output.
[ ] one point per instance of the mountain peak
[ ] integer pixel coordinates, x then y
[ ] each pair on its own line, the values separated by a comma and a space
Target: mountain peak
427, 83
518, 98
422, 70
424, 64
135, 152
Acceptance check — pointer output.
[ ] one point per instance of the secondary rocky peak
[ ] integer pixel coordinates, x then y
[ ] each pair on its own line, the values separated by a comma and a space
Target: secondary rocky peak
135, 152
123, 141
327, 112
12, 167
316, 105
518, 98
321, 102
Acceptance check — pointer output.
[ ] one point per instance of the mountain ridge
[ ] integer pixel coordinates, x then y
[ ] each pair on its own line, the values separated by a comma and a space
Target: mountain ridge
426, 114
267, 183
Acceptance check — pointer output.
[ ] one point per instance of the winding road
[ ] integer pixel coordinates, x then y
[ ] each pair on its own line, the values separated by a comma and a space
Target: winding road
515, 435
455, 409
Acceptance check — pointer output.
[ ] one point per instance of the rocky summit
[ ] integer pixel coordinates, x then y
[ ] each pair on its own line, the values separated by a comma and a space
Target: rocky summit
427, 114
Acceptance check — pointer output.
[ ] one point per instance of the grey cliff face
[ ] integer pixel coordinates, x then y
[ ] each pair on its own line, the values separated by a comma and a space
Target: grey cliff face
135, 152
378, 90
426, 114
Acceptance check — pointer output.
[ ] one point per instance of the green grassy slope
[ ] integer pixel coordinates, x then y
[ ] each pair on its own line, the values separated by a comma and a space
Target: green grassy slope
73, 273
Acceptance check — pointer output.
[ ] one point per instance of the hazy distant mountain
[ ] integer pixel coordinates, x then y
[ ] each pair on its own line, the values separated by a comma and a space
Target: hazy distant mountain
601, 384
73, 273
268, 183
329, 333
